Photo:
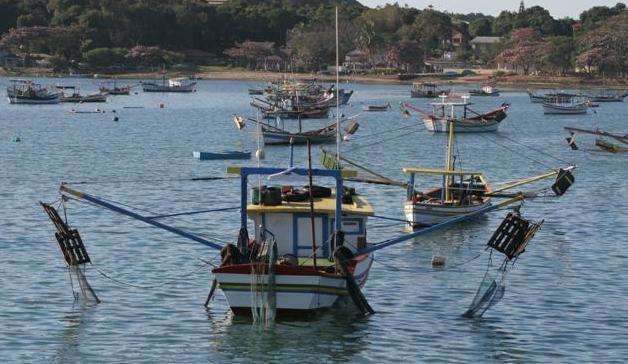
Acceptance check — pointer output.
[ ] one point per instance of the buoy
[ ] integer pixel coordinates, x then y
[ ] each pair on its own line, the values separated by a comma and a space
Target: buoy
345, 138
115, 118
16, 139
438, 261
259, 154
113, 111
161, 106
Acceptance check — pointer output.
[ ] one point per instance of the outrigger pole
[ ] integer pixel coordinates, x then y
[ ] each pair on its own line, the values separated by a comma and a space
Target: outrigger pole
65, 190
440, 226
528, 180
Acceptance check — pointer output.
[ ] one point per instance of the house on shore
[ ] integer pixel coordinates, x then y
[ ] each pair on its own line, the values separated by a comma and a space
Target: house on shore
356, 61
481, 45
9, 59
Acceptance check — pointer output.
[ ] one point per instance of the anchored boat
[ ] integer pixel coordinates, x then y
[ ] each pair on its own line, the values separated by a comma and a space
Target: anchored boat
427, 90
27, 92
182, 85
376, 107
462, 193
572, 106
486, 90
303, 228
440, 119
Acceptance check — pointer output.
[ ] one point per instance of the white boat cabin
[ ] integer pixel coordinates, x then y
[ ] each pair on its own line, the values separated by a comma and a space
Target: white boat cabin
291, 224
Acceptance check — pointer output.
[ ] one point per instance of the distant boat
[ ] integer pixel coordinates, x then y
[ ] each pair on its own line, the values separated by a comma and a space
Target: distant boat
376, 107
230, 154
256, 91
439, 120
115, 89
182, 85
561, 107
27, 92
607, 97
427, 90
486, 90
76, 98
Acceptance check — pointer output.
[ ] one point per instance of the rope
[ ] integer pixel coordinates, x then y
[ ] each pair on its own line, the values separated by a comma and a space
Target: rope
193, 212
512, 151
381, 141
127, 284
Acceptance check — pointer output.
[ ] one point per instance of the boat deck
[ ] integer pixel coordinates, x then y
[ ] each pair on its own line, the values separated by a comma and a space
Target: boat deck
327, 205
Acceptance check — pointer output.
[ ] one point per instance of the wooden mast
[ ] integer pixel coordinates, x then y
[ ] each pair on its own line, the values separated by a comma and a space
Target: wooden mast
449, 158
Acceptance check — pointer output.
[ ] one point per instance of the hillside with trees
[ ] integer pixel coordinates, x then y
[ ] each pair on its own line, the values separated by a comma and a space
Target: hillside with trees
113, 35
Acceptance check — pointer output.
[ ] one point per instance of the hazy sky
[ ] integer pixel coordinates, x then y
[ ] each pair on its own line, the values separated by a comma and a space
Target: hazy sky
558, 8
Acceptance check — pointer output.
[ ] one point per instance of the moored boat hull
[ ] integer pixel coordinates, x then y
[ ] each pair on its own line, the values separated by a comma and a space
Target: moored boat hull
424, 214
565, 109
479, 126
297, 289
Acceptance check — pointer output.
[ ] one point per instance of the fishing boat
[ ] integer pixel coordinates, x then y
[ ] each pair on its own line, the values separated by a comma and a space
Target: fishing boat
278, 134
564, 107
112, 88
376, 107
462, 193
301, 233
27, 92
427, 90
182, 85
438, 121
226, 154
293, 108
607, 96
76, 97
486, 90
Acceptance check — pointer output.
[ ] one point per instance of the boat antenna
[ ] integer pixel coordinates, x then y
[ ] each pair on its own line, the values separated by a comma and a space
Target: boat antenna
337, 95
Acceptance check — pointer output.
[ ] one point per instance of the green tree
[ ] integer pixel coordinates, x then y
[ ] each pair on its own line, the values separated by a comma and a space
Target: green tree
481, 27
560, 58
104, 57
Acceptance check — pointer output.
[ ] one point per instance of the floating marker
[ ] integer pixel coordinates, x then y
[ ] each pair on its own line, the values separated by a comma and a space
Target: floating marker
115, 118
16, 139
161, 106
438, 261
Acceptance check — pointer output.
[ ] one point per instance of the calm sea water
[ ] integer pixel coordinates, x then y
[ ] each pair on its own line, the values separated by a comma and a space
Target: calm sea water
565, 299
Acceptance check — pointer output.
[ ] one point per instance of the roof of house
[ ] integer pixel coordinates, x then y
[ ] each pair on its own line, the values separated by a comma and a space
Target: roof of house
486, 40
357, 53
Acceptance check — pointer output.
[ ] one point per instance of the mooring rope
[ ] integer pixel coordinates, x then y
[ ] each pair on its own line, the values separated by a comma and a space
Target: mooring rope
167, 282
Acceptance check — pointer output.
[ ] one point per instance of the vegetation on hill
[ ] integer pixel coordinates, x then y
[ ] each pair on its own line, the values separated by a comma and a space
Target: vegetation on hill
299, 34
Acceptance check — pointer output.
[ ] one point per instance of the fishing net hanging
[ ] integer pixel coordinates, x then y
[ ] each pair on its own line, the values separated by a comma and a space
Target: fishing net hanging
511, 238
263, 280
75, 255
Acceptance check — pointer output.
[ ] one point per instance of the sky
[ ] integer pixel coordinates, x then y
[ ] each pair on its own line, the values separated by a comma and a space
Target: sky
558, 8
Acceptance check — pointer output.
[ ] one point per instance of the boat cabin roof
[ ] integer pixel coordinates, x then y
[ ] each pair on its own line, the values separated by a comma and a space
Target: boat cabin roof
440, 172
326, 205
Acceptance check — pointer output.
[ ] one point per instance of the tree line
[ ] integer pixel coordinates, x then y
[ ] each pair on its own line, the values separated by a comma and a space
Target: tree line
145, 33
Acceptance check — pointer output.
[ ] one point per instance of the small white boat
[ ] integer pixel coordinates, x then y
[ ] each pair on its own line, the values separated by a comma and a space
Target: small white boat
376, 107
182, 85
571, 108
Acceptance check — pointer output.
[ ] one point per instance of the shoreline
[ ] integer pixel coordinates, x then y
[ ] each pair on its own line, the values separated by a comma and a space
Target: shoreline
514, 82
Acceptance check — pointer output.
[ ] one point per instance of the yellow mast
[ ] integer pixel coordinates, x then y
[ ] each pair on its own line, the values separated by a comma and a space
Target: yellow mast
449, 159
